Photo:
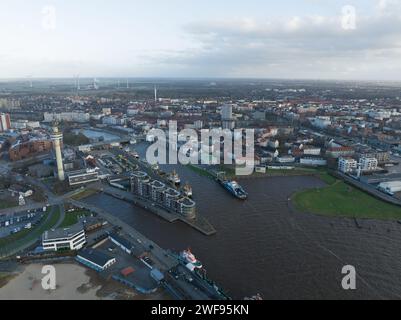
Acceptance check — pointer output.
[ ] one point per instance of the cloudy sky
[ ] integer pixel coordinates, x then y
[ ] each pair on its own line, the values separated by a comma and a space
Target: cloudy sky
305, 39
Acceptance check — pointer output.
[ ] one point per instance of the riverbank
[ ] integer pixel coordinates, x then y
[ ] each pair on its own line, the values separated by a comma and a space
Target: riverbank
323, 174
74, 282
339, 199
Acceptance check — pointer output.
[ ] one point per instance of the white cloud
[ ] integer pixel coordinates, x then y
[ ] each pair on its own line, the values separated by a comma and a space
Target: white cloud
308, 46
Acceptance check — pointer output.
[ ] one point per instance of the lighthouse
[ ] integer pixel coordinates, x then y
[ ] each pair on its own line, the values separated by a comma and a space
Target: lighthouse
57, 138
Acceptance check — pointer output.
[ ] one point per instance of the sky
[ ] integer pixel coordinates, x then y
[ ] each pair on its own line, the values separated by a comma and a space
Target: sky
291, 39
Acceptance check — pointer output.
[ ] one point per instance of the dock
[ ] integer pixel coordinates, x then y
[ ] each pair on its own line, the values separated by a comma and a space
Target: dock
200, 223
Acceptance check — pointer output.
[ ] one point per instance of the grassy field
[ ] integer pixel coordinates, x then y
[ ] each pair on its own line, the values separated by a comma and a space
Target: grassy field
5, 278
341, 199
71, 218
84, 194
200, 171
4, 204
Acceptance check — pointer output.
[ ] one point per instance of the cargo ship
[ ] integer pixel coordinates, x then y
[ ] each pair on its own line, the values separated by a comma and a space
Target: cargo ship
195, 268
190, 260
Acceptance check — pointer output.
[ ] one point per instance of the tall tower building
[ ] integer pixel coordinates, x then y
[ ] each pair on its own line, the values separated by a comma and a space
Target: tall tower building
155, 94
5, 122
227, 119
57, 138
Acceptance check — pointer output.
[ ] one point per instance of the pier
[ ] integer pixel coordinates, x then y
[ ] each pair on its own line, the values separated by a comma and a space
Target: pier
199, 223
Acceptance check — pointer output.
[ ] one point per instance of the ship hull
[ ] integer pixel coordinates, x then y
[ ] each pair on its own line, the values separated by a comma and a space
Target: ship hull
241, 196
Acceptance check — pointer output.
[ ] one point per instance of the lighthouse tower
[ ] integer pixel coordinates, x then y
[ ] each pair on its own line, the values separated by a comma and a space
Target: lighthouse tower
57, 138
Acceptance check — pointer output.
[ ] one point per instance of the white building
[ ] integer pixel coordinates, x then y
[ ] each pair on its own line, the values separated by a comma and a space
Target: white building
198, 124
106, 111
311, 151
5, 122
273, 144
227, 112
124, 245
82, 177
313, 161
72, 238
132, 112
227, 119
286, 159
346, 165
67, 116
390, 187
368, 164
321, 122
114, 120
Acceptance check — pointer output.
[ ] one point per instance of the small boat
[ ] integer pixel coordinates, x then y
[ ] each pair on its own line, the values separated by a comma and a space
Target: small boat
135, 154
255, 297
174, 178
187, 189
235, 189
189, 258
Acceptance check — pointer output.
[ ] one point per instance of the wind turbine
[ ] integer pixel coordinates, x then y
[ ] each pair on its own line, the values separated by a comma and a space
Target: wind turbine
30, 81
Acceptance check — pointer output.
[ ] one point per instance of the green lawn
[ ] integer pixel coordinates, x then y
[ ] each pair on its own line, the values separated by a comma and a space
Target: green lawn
14, 237
340, 199
200, 171
5, 278
83, 194
71, 218
4, 204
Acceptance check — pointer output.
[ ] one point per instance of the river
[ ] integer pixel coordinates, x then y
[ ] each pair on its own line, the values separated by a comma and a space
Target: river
263, 246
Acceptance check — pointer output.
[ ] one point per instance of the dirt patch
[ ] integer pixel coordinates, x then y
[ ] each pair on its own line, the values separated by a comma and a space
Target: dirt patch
6, 278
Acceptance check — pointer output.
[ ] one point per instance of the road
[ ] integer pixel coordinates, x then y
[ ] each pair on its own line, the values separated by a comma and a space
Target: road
164, 262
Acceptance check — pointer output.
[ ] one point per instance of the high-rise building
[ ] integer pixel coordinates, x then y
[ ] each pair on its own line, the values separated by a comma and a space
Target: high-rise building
57, 138
5, 122
227, 119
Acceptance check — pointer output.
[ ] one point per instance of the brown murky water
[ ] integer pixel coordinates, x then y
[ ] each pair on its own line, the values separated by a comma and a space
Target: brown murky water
262, 246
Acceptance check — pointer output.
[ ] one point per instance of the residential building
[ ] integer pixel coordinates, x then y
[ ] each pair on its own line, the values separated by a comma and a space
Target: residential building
368, 164
347, 165
5, 122
337, 152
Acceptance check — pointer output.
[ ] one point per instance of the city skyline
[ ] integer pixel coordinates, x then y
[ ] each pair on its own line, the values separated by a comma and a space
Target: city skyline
290, 40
